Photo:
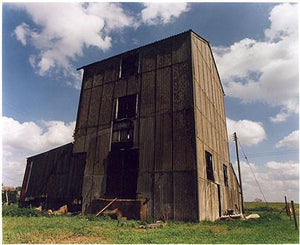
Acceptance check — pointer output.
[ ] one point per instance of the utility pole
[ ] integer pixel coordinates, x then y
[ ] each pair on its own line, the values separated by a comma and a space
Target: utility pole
239, 169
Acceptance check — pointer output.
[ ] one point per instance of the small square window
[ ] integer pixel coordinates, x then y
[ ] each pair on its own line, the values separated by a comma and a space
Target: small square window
130, 65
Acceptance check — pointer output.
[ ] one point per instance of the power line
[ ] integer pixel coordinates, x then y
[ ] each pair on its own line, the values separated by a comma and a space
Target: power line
252, 172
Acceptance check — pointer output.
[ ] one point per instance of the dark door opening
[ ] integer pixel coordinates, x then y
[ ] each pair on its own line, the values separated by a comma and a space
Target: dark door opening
122, 173
219, 199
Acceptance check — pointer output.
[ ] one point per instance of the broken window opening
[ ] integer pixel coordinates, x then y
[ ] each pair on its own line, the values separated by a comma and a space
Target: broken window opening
129, 65
126, 106
209, 166
225, 173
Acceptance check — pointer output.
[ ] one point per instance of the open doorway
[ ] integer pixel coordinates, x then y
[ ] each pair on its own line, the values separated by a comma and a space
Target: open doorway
122, 174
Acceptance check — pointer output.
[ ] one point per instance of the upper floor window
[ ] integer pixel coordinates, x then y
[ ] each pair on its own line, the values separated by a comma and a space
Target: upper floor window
225, 173
126, 106
129, 65
209, 166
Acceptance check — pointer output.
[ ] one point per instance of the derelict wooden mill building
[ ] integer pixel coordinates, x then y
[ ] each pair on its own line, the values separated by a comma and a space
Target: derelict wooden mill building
151, 131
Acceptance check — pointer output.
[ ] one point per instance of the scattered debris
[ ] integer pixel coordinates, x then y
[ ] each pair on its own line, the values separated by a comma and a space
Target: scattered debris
253, 216
115, 213
157, 224
39, 209
231, 217
62, 210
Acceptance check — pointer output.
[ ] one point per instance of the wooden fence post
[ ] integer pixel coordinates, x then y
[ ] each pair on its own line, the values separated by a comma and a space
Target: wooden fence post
287, 208
294, 214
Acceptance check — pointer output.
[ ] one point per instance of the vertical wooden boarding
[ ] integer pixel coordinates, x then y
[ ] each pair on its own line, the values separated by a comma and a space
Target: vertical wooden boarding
106, 105
93, 114
148, 94
163, 90
163, 143
148, 56
163, 196
164, 55
183, 141
182, 87
185, 197
84, 108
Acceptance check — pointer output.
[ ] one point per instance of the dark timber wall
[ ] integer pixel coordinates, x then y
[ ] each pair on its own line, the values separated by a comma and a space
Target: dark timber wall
53, 179
180, 116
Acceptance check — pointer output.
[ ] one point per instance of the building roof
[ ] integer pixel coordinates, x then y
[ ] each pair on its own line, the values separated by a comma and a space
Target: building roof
150, 44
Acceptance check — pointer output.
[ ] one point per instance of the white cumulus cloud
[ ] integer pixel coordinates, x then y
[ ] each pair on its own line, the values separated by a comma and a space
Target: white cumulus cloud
276, 179
265, 70
290, 141
248, 132
162, 13
63, 30
21, 140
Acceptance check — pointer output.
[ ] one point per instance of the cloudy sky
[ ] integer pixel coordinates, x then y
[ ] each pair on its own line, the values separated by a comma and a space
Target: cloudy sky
256, 50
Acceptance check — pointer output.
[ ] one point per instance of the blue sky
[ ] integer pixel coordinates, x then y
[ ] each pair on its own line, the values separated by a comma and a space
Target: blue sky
256, 50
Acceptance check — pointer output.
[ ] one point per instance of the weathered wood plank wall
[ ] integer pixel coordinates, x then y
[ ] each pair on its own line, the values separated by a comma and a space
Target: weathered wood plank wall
211, 133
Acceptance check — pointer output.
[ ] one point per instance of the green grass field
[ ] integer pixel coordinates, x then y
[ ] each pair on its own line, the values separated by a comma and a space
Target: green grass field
270, 228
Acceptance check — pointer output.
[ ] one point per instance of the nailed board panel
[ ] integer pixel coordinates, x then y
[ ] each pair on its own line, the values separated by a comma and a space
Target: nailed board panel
111, 70
103, 147
133, 86
182, 87
198, 124
98, 186
106, 104
146, 152
163, 195
86, 192
88, 78
90, 148
144, 189
185, 196
183, 141
84, 108
163, 90
180, 49
163, 142
94, 106
164, 55
201, 165
147, 94
201, 198
148, 57
79, 144
99, 76
120, 88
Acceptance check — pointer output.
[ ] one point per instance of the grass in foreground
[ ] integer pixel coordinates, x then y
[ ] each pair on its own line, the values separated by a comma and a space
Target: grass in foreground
270, 228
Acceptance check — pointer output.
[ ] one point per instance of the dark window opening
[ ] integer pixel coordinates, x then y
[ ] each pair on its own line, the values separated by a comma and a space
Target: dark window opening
130, 65
126, 106
209, 166
225, 173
